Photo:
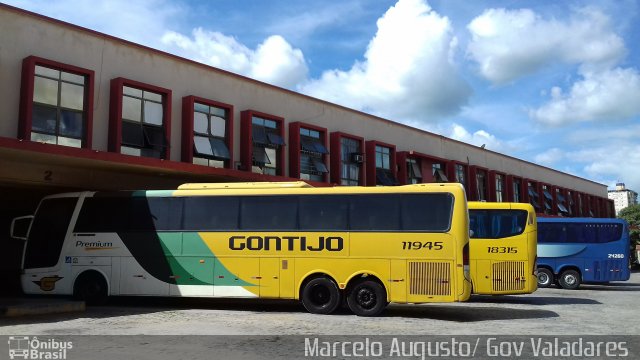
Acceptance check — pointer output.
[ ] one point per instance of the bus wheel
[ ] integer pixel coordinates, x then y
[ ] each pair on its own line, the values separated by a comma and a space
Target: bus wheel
545, 277
91, 287
367, 298
320, 296
569, 279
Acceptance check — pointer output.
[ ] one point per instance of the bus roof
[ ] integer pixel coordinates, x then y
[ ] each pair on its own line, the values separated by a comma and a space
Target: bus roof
245, 185
274, 189
481, 205
580, 220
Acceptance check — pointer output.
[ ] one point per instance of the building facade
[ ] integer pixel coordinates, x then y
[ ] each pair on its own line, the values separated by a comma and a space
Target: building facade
622, 197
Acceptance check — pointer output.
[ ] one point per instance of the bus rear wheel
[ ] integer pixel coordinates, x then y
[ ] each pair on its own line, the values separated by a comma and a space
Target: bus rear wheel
545, 278
91, 287
320, 296
367, 298
569, 279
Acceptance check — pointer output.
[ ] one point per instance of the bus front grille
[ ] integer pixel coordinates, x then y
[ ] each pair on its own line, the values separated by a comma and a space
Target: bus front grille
508, 275
429, 278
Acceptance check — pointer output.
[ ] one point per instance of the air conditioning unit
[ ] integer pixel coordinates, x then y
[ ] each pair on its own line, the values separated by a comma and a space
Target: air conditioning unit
357, 158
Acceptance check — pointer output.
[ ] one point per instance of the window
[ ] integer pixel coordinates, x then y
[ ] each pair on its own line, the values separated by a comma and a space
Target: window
268, 213
59, 110
351, 163
384, 174
560, 202
413, 171
594, 233
129, 214
533, 195
324, 212
496, 224
460, 174
548, 199
438, 173
266, 144
570, 208
140, 119
48, 231
517, 196
209, 134
481, 185
312, 166
214, 213
499, 188
401, 212
124, 214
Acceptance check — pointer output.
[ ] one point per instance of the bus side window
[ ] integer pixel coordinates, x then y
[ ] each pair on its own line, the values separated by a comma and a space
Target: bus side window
323, 213
269, 213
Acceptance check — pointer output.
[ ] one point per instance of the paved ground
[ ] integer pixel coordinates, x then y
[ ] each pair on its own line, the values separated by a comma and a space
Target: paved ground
592, 310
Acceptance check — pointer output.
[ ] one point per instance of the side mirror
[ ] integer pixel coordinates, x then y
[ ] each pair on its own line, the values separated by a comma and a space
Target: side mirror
20, 227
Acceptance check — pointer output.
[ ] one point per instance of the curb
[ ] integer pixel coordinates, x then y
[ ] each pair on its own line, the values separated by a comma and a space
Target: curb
42, 309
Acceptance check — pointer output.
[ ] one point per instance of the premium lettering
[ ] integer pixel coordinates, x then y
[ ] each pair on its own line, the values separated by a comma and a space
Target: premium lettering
286, 243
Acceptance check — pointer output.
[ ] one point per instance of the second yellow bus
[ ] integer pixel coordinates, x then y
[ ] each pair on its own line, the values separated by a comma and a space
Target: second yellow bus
503, 240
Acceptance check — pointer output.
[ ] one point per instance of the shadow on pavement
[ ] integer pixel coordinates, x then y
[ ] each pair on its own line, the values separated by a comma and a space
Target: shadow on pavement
466, 313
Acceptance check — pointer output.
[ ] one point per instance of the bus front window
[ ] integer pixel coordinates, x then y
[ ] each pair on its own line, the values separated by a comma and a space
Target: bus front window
48, 231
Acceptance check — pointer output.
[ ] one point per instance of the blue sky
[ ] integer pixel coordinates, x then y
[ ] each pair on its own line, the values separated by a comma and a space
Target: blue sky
552, 82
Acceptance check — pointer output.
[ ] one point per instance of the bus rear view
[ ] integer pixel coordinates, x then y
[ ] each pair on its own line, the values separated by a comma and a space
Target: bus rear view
582, 250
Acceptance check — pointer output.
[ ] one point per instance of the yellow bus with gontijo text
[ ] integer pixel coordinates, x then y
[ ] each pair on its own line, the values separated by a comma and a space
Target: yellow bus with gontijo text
367, 246
502, 248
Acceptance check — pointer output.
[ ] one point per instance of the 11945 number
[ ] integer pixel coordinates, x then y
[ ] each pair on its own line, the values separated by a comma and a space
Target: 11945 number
417, 245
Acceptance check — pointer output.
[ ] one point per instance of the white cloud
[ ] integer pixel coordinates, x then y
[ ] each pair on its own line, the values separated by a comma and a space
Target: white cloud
508, 44
408, 72
550, 157
612, 161
478, 138
274, 61
599, 96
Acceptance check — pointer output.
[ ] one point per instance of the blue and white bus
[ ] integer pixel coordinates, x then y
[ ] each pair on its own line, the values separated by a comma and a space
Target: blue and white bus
572, 251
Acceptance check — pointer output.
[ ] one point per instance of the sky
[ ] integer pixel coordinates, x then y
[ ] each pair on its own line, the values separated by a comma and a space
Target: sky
553, 82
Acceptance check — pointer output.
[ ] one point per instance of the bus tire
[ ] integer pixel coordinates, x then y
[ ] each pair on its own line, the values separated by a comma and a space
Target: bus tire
91, 287
569, 279
545, 277
367, 298
320, 296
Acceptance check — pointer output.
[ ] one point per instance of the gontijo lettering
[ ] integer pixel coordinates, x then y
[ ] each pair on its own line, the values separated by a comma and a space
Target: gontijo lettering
291, 243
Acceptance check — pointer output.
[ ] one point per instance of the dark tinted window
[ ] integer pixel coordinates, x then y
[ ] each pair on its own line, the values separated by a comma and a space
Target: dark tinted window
426, 212
211, 213
268, 212
48, 231
496, 224
126, 213
589, 233
324, 213
375, 212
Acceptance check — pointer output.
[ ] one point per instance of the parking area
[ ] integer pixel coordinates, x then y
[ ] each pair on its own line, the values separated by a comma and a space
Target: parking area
591, 310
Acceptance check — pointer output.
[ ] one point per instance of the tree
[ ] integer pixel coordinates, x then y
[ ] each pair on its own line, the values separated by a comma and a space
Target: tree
632, 215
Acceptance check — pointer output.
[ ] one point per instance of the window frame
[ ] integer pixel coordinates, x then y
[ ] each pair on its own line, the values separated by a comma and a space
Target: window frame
25, 113
337, 162
188, 133
115, 114
373, 171
247, 143
297, 151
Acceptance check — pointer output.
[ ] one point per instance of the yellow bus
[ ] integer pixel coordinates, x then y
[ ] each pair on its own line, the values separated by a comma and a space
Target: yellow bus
502, 248
367, 246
